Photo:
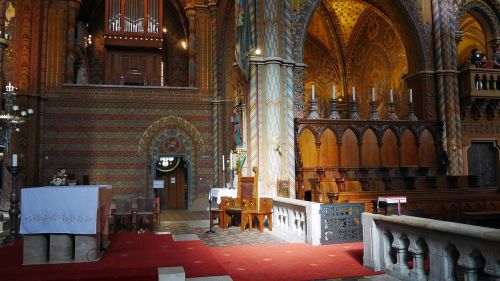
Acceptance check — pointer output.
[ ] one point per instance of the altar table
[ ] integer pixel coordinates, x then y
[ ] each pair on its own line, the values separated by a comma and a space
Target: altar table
64, 223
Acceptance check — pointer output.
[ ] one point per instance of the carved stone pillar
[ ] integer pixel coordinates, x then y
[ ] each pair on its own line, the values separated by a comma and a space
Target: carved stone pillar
73, 8
298, 91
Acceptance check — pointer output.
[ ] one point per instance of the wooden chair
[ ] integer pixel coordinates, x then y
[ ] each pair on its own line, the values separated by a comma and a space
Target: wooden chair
122, 217
145, 213
247, 196
265, 209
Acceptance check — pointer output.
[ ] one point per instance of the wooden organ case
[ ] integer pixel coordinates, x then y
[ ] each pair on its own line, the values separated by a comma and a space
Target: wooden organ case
134, 42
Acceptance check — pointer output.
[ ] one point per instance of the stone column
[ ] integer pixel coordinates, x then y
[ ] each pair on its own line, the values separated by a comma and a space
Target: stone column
193, 62
73, 8
271, 96
217, 105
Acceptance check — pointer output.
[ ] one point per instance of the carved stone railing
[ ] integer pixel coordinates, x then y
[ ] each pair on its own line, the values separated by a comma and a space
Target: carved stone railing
297, 219
479, 83
411, 248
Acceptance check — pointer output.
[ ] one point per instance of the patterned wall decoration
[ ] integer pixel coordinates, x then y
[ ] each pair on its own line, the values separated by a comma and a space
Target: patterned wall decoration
476, 5
173, 123
23, 44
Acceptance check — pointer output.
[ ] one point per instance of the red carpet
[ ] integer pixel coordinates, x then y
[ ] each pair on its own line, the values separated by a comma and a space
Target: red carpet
136, 257
129, 257
292, 262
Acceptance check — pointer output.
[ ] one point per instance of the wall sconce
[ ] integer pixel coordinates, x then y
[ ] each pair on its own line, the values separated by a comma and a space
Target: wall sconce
276, 146
184, 44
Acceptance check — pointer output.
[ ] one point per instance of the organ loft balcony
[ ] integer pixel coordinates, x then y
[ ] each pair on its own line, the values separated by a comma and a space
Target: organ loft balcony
477, 83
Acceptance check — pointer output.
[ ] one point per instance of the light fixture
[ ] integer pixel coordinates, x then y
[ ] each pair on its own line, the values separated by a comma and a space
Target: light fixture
184, 44
257, 52
11, 118
276, 146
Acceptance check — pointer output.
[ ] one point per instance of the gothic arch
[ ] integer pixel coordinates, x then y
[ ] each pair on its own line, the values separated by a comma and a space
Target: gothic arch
408, 8
484, 10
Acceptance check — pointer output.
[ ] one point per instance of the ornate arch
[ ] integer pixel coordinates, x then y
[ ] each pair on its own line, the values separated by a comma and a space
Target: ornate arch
170, 123
483, 9
302, 19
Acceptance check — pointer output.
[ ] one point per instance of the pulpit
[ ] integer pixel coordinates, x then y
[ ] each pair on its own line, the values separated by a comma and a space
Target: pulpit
64, 223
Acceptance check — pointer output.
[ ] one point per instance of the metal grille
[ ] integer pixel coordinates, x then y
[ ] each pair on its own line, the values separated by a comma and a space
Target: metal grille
341, 223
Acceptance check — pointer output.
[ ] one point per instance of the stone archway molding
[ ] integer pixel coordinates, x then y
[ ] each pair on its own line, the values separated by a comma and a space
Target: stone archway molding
484, 10
170, 123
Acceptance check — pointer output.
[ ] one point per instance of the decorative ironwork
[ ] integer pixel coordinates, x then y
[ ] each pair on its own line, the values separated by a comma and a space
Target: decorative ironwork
341, 223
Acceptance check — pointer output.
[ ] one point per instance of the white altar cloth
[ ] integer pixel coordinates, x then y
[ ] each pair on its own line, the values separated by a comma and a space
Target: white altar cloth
60, 209
216, 192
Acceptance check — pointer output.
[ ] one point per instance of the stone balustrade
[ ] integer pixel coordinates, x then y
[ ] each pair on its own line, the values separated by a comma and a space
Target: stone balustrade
480, 82
411, 248
298, 219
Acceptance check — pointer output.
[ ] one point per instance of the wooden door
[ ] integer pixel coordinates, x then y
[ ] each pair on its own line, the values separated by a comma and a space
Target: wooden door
174, 193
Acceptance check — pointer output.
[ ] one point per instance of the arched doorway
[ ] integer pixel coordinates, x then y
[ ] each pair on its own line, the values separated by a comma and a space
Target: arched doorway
172, 170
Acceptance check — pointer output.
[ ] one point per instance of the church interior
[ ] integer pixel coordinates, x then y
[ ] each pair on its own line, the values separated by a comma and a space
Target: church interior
276, 111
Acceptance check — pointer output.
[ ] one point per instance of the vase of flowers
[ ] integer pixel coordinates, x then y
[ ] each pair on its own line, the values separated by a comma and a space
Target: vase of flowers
60, 178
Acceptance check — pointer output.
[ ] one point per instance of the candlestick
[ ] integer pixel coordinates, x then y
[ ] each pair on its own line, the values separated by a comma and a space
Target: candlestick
231, 160
14, 159
353, 93
392, 112
353, 110
314, 110
334, 93
392, 97
411, 95
14, 205
373, 94
334, 114
312, 96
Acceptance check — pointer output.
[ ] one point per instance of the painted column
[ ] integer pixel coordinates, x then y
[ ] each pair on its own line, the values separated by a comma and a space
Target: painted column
73, 8
193, 62
216, 105
271, 97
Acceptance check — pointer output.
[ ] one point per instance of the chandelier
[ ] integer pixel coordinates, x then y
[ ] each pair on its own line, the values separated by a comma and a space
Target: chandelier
11, 116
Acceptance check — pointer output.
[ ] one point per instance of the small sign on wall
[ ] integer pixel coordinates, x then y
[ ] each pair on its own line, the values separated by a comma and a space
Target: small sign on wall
172, 180
158, 184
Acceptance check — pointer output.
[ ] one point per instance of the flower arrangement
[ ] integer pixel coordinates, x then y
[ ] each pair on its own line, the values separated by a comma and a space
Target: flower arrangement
59, 178
240, 160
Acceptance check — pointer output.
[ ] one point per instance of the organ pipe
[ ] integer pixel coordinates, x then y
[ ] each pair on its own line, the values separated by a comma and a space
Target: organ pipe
139, 16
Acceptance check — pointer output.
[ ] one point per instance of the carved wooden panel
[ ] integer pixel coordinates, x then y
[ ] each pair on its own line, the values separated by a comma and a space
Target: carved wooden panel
328, 151
483, 162
408, 149
350, 150
370, 150
389, 149
427, 150
308, 149
138, 68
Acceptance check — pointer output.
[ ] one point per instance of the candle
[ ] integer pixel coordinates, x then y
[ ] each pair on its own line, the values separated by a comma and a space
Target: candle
14, 159
334, 92
373, 94
411, 95
231, 160
353, 93
312, 96
223, 163
392, 97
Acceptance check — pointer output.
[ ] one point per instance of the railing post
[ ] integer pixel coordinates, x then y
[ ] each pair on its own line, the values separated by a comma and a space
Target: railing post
470, 260
400, 243
417, 248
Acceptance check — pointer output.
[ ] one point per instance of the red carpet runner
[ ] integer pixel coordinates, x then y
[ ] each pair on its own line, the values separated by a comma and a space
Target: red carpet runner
292, 262
136, 257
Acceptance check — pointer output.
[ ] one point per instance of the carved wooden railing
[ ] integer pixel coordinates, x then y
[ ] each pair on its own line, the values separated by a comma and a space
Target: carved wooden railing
411, 248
